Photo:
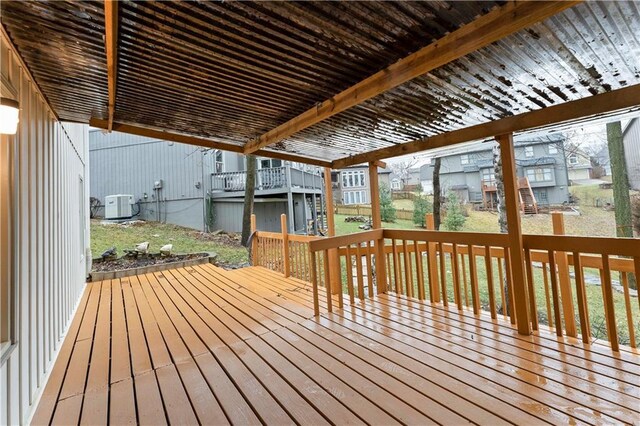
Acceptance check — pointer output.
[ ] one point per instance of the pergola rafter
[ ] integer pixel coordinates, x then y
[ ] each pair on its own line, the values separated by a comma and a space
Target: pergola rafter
111, 49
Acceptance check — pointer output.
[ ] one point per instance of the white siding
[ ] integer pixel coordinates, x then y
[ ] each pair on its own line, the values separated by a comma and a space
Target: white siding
42, 244
632, 152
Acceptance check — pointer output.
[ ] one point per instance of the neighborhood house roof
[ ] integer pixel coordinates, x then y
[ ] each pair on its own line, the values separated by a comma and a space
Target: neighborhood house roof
231, 72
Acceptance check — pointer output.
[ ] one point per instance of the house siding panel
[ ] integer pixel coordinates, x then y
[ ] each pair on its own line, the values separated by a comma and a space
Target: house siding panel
632, 152
44, 258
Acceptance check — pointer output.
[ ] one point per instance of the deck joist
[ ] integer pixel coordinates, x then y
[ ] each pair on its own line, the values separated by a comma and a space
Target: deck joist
204, 345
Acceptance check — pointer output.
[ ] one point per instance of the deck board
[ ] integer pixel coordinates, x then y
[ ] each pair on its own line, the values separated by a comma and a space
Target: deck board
205, 345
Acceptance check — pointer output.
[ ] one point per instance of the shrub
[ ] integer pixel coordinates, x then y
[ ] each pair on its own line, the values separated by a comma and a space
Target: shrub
635, 213
387, 210
421, 206
454, 219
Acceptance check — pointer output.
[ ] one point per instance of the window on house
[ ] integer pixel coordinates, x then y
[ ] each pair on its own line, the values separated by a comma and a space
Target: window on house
354, 197
553, 149
539, 174
219, 162
489, 177
541, 196
396, 184
464, 159
353, 179
270, 163
528, 151
573, 158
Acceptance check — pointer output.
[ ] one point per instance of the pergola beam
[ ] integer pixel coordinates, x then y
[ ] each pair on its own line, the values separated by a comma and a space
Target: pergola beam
111, 49
477, 34
592, 106
197, 141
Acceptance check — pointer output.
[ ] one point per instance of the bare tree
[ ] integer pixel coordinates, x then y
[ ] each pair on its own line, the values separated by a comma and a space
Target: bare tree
502, 212
249, 192
402, 169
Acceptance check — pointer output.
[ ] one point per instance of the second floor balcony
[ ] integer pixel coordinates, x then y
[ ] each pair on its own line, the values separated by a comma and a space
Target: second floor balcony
271, 180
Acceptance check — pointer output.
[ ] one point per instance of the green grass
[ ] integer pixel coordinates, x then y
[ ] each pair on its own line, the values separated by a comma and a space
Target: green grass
343, 228
184, 240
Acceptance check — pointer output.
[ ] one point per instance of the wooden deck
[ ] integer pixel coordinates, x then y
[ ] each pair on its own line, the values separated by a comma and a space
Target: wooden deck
204, 345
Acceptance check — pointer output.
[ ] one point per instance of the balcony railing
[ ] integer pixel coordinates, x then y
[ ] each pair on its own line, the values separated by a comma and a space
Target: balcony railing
266, 179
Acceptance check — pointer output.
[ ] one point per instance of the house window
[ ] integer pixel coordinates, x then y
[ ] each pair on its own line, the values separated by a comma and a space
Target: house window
540, 174
489, 177
354, 197
219, 162
553, 149
270, 163
541, 196
464, 159
396, 184
528, 151
573, 158
353, 179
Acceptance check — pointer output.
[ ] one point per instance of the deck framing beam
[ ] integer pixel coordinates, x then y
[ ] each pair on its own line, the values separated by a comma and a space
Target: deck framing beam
589, 107
197, 141
495, 25
111, 49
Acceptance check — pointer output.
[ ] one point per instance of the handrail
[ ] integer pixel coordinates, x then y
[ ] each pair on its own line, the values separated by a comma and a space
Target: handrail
343, 240
599, 245
466, 238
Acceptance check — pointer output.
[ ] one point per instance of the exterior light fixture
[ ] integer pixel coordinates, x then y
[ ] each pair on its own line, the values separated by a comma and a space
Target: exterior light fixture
9, 112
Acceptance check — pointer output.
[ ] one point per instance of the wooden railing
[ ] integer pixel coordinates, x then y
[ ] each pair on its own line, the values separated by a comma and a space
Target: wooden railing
473, 271
282, 252
271, 178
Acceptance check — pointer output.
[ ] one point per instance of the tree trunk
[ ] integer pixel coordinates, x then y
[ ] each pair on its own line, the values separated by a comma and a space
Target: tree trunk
436, 194
620, 180
502, 213
249, 191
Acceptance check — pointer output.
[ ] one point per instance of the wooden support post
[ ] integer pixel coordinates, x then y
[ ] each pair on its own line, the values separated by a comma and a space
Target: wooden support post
434, 288
562, 262
519, 295
254, 241
381, 276
334, 260
286, 268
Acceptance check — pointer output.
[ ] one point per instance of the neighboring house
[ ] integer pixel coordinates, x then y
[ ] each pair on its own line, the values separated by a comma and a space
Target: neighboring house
601, 162
470, 172
351, 185
579, 165
631, 140
408, 182
201, 188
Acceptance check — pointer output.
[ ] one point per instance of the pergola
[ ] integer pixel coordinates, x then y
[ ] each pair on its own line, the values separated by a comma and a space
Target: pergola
333, 84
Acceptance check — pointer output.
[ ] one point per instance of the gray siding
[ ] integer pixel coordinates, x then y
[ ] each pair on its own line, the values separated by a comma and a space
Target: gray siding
632, 152
129, 164
228, 214
44, 234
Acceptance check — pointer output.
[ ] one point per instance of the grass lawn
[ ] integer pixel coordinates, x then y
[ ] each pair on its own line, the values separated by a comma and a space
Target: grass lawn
184, 240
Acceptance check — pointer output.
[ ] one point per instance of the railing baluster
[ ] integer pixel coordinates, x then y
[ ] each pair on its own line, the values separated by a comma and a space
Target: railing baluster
636, 263
456, 279
359, 273
407, 269
581, 297
465, 287
627, 304
530, 285
314, 282
396, 267
546, 294
327, 283
609, 310
388, 270
503, 298
488, 263
510, 285
349, 275
369, 270
473, 280
443, 275
419, 271
554, 292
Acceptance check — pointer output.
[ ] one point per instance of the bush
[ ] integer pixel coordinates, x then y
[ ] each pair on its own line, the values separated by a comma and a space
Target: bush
635, 213
387, 210
454, 219
421, 206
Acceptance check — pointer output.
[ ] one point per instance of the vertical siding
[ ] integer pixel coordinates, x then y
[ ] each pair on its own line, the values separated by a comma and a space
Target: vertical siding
40, 237
632, 152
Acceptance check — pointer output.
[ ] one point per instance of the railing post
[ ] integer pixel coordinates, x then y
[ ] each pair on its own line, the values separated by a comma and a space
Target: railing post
254, 241
510, 179
334, 260
286, 268
433, 262
566, 296
381, 274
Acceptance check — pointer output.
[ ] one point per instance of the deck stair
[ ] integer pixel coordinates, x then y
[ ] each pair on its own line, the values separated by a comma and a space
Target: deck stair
528, 203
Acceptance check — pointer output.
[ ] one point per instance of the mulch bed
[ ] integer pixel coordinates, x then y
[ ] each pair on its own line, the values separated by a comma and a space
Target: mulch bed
141, 261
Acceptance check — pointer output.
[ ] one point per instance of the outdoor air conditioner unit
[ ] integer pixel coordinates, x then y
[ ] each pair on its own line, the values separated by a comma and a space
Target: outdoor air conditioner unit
118, 206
